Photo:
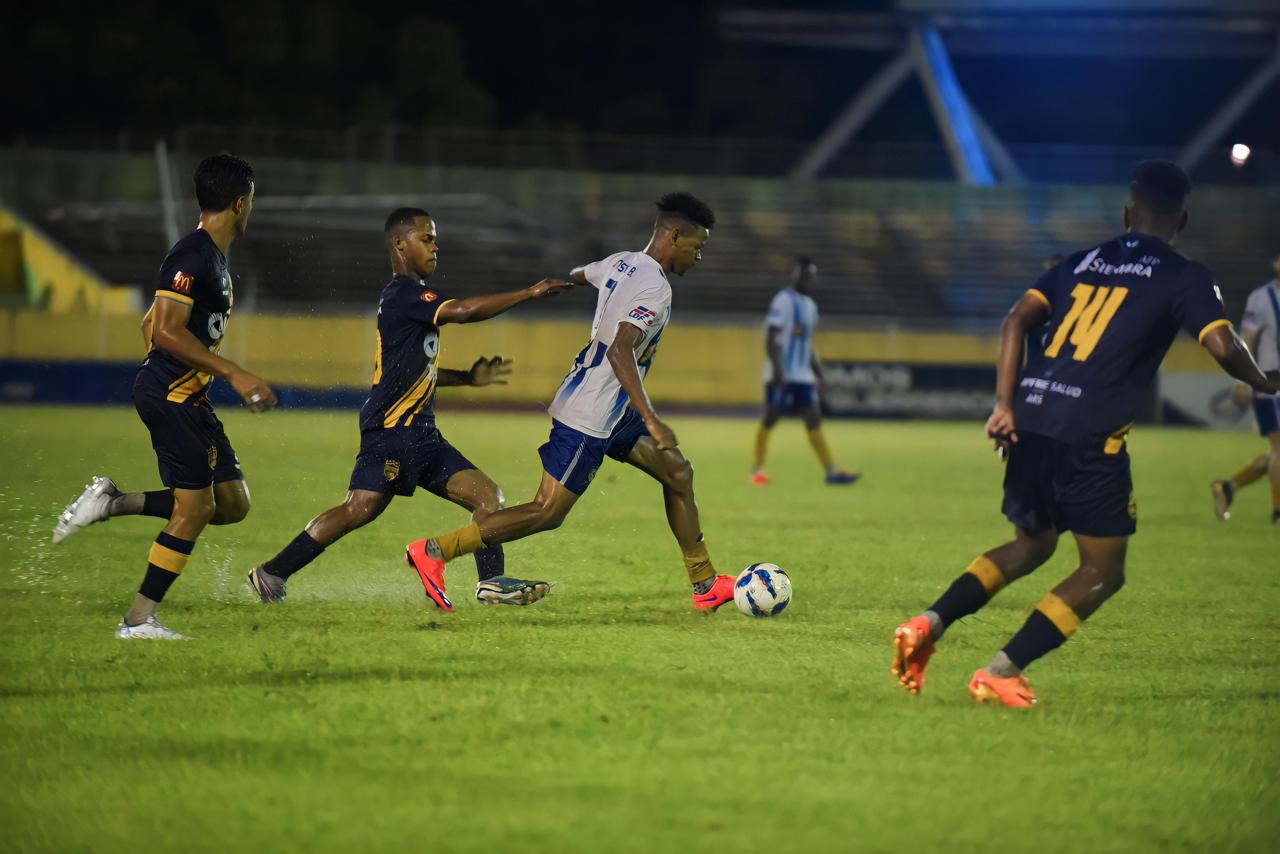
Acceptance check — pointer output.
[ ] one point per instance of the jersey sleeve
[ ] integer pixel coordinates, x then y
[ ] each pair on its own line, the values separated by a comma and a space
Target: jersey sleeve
1255, 312
597, 272
180, 276
1046, 287
1197, 305
641, 306
420, 305
778, 312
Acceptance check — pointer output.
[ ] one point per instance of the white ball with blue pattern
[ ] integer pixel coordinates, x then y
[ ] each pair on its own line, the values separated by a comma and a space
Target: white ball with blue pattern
762, 590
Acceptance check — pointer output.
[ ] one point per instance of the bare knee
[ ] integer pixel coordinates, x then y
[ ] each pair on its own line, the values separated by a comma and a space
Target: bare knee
197, 510
360, 510
678, 475
487, 503
230, 512
549, 517
1037, 548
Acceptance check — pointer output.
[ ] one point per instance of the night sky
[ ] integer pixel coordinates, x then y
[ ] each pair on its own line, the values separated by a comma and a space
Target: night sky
655, 68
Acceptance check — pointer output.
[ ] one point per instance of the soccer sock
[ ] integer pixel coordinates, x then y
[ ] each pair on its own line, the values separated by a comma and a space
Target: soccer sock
819, 444
293, 557
697, 562
762, 446
1048, 628
168, 557
1253, 471
158, 503
968, 593
490, 562
463, 541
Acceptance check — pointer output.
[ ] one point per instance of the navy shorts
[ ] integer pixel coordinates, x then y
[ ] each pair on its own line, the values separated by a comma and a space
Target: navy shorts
1085, 487
398, 460
573, 457
792, 398
1266, 408
192, 449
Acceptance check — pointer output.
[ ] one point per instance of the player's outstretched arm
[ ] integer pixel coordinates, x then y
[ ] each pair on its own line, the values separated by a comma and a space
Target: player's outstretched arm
1026, 314
169, 333
622, 357
476, 309
1225, 346
484, 372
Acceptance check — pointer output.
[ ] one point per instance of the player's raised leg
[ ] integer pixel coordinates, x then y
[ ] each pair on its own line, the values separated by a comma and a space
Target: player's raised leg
192, 510
474, 490
360, 508
1056, 618
102, 499
990, 572
675, 473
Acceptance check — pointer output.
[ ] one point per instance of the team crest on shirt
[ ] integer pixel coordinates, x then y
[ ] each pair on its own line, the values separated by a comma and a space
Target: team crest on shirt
391, 469
429, 296
182, 282
648, 315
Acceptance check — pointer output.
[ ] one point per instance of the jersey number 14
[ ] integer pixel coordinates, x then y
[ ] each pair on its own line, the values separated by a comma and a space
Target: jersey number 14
1090, 314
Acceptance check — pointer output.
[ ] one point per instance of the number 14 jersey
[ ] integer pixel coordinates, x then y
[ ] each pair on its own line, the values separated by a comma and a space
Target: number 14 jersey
1116, 310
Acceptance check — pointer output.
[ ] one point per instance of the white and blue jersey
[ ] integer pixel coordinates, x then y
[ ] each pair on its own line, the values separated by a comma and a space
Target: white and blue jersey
1262, 318
795, 316
632, 289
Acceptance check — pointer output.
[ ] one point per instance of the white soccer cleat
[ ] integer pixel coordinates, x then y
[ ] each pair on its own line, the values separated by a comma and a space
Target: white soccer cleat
148, 629
93, 505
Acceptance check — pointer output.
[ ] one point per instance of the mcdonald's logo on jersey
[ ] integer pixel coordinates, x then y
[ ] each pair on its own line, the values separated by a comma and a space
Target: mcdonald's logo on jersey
182, 282
429, 296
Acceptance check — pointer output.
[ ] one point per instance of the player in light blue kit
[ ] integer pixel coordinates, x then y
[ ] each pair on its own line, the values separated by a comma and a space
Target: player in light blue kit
601, 408
793, 373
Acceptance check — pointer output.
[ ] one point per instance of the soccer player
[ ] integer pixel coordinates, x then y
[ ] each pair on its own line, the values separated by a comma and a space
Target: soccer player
1114, 310
184, 330
793, 374
601, 408
1260, 329
400, 447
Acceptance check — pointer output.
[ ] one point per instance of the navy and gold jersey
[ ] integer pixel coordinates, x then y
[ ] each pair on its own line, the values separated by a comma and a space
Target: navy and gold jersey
194, 273
1115, 310
404, 368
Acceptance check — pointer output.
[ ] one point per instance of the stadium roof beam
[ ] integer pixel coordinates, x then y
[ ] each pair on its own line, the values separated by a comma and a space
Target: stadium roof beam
1119, 34
1230, 112
854, 116
950, 107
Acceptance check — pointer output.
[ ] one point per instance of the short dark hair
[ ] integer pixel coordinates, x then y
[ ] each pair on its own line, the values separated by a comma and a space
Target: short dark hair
1161, 185
804, 261
220, 180
402, 218
686, 206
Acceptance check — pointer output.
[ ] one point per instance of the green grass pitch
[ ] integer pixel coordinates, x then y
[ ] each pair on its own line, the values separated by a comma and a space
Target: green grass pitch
611, 716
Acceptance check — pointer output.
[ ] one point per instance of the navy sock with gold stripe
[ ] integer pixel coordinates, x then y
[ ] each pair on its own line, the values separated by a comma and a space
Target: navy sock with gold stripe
168, 557
1048, 628
969, 593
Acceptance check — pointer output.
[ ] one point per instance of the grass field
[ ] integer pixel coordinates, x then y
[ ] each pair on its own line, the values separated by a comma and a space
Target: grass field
611, 716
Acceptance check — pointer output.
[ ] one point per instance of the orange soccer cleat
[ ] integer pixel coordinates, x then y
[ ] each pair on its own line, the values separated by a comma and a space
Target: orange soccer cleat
912, 648
720, 593
430, 570
760, 478
1013, 691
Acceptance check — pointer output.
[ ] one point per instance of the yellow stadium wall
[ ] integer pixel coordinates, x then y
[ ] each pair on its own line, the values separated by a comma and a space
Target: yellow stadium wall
697, 363
55, 279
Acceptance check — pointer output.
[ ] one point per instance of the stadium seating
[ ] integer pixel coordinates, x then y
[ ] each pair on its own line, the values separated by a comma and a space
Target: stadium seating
906, 253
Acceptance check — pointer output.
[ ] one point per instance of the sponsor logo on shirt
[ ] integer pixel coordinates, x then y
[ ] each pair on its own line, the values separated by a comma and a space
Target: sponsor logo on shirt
429, 296
648, 315
182, 282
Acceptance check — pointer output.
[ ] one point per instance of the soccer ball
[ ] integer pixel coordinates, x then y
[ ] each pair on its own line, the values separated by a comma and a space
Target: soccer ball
762, 590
